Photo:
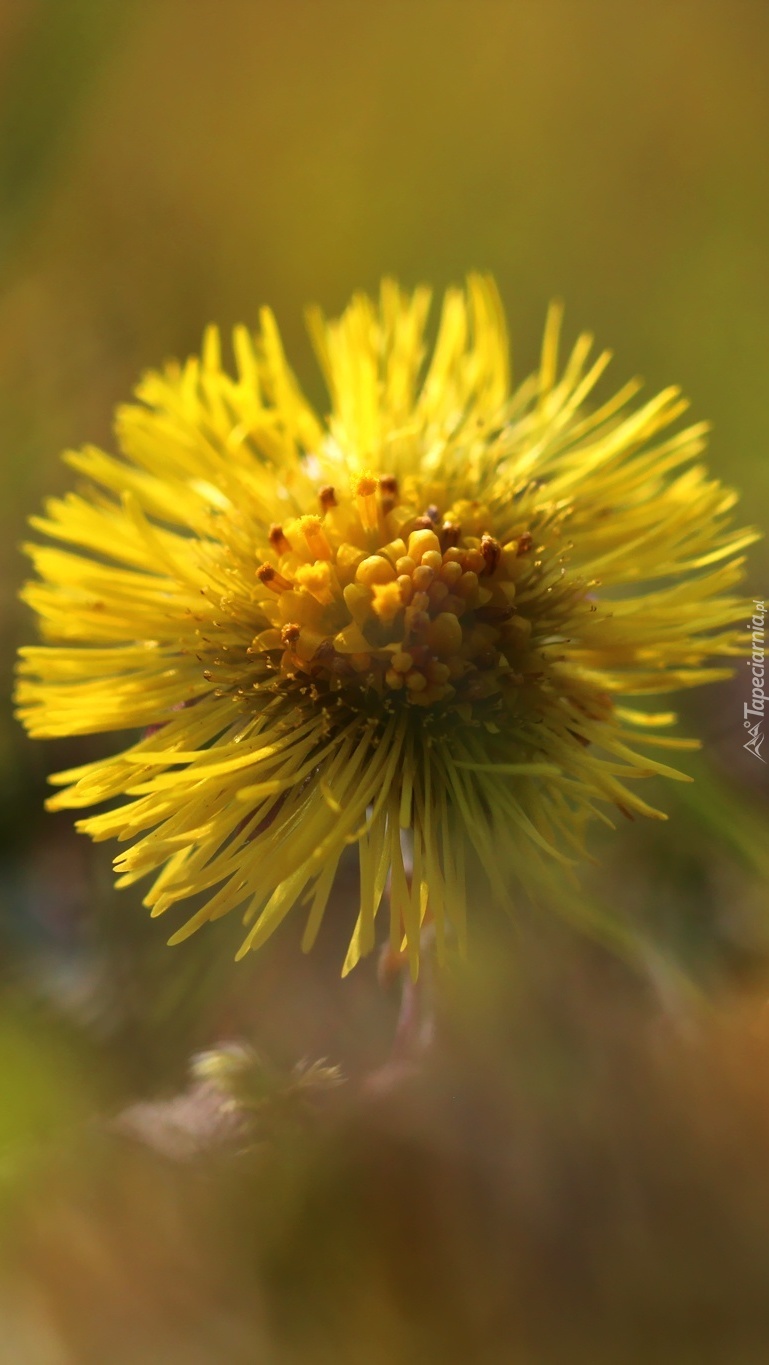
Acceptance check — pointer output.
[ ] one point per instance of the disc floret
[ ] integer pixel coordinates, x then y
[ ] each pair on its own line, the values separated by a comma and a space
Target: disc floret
369, 594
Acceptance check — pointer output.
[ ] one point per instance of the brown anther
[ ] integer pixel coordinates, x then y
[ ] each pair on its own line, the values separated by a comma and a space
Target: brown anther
450, 533
269, 576
422, 524
389, 485
387, 502
327, 498
290, 633
525, 543
278, 541
490, 549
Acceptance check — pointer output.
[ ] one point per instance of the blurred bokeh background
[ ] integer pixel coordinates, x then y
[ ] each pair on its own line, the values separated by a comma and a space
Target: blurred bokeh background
583, 1172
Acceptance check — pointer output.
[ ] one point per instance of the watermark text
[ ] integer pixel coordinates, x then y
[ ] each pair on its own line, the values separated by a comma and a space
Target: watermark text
754, 711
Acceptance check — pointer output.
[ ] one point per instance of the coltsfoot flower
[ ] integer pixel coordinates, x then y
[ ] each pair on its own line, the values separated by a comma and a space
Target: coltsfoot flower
424, 614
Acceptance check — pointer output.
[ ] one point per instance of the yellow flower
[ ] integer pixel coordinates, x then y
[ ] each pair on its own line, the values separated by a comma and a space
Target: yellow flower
421, 615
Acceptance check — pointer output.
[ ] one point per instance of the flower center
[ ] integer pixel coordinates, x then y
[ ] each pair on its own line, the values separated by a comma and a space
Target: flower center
372, 594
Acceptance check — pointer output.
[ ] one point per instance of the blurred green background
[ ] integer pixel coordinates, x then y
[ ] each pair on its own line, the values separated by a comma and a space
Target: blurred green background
166, 163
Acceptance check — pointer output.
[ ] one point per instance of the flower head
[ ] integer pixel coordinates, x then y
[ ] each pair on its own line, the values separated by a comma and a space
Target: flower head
422, 615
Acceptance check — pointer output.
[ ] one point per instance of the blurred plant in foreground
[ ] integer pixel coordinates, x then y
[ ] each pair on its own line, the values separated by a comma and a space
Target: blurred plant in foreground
236, 1099
568, 1177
